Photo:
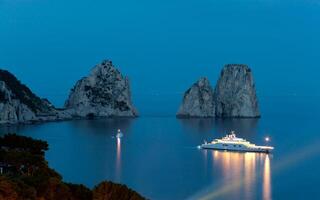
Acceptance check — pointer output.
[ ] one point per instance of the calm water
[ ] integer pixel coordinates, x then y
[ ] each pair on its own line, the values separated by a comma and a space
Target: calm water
158, 156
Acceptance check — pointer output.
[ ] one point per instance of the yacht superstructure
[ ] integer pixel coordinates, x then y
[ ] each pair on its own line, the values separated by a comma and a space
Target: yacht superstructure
232, 143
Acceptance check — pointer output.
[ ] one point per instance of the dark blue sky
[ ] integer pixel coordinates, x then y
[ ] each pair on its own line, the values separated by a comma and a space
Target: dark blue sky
163, 46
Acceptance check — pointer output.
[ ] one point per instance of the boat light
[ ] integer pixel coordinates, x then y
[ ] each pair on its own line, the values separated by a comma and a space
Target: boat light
267, 139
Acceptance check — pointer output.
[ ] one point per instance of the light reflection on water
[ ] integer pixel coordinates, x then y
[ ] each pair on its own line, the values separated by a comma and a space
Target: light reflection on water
118, 160
267, 179
240, 173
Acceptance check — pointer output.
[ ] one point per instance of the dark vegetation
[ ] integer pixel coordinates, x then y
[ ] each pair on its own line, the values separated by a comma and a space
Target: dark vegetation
23, 93
25, 175
109, 190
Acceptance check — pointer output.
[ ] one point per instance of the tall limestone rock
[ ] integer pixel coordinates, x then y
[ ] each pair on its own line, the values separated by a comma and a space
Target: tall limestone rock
104, 93
18, 104
198, 101
235, 93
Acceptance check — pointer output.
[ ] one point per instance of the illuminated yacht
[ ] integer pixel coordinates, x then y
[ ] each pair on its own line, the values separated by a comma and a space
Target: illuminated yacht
232, 143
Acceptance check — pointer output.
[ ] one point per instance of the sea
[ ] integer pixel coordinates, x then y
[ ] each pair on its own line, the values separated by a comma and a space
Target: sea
158, 156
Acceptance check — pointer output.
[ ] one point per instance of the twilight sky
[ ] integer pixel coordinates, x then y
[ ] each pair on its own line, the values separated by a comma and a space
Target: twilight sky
162, 45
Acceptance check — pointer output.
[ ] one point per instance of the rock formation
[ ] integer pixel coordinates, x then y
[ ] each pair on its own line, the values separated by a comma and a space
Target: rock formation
198, 101
18, 104
235, 93
234, 96
104, 93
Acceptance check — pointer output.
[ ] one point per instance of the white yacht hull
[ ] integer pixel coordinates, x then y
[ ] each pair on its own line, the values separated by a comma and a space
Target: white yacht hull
236, 147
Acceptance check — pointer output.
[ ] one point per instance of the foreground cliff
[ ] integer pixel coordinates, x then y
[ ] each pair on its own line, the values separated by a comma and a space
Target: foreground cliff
198, 101
25, 174
104, 93
234, 96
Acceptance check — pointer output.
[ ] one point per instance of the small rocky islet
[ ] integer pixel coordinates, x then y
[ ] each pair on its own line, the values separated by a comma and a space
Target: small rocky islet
104, 93
233, 97
198, 100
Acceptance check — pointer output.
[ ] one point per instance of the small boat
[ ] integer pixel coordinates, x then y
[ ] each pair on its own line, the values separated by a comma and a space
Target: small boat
232, 143
119, 134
